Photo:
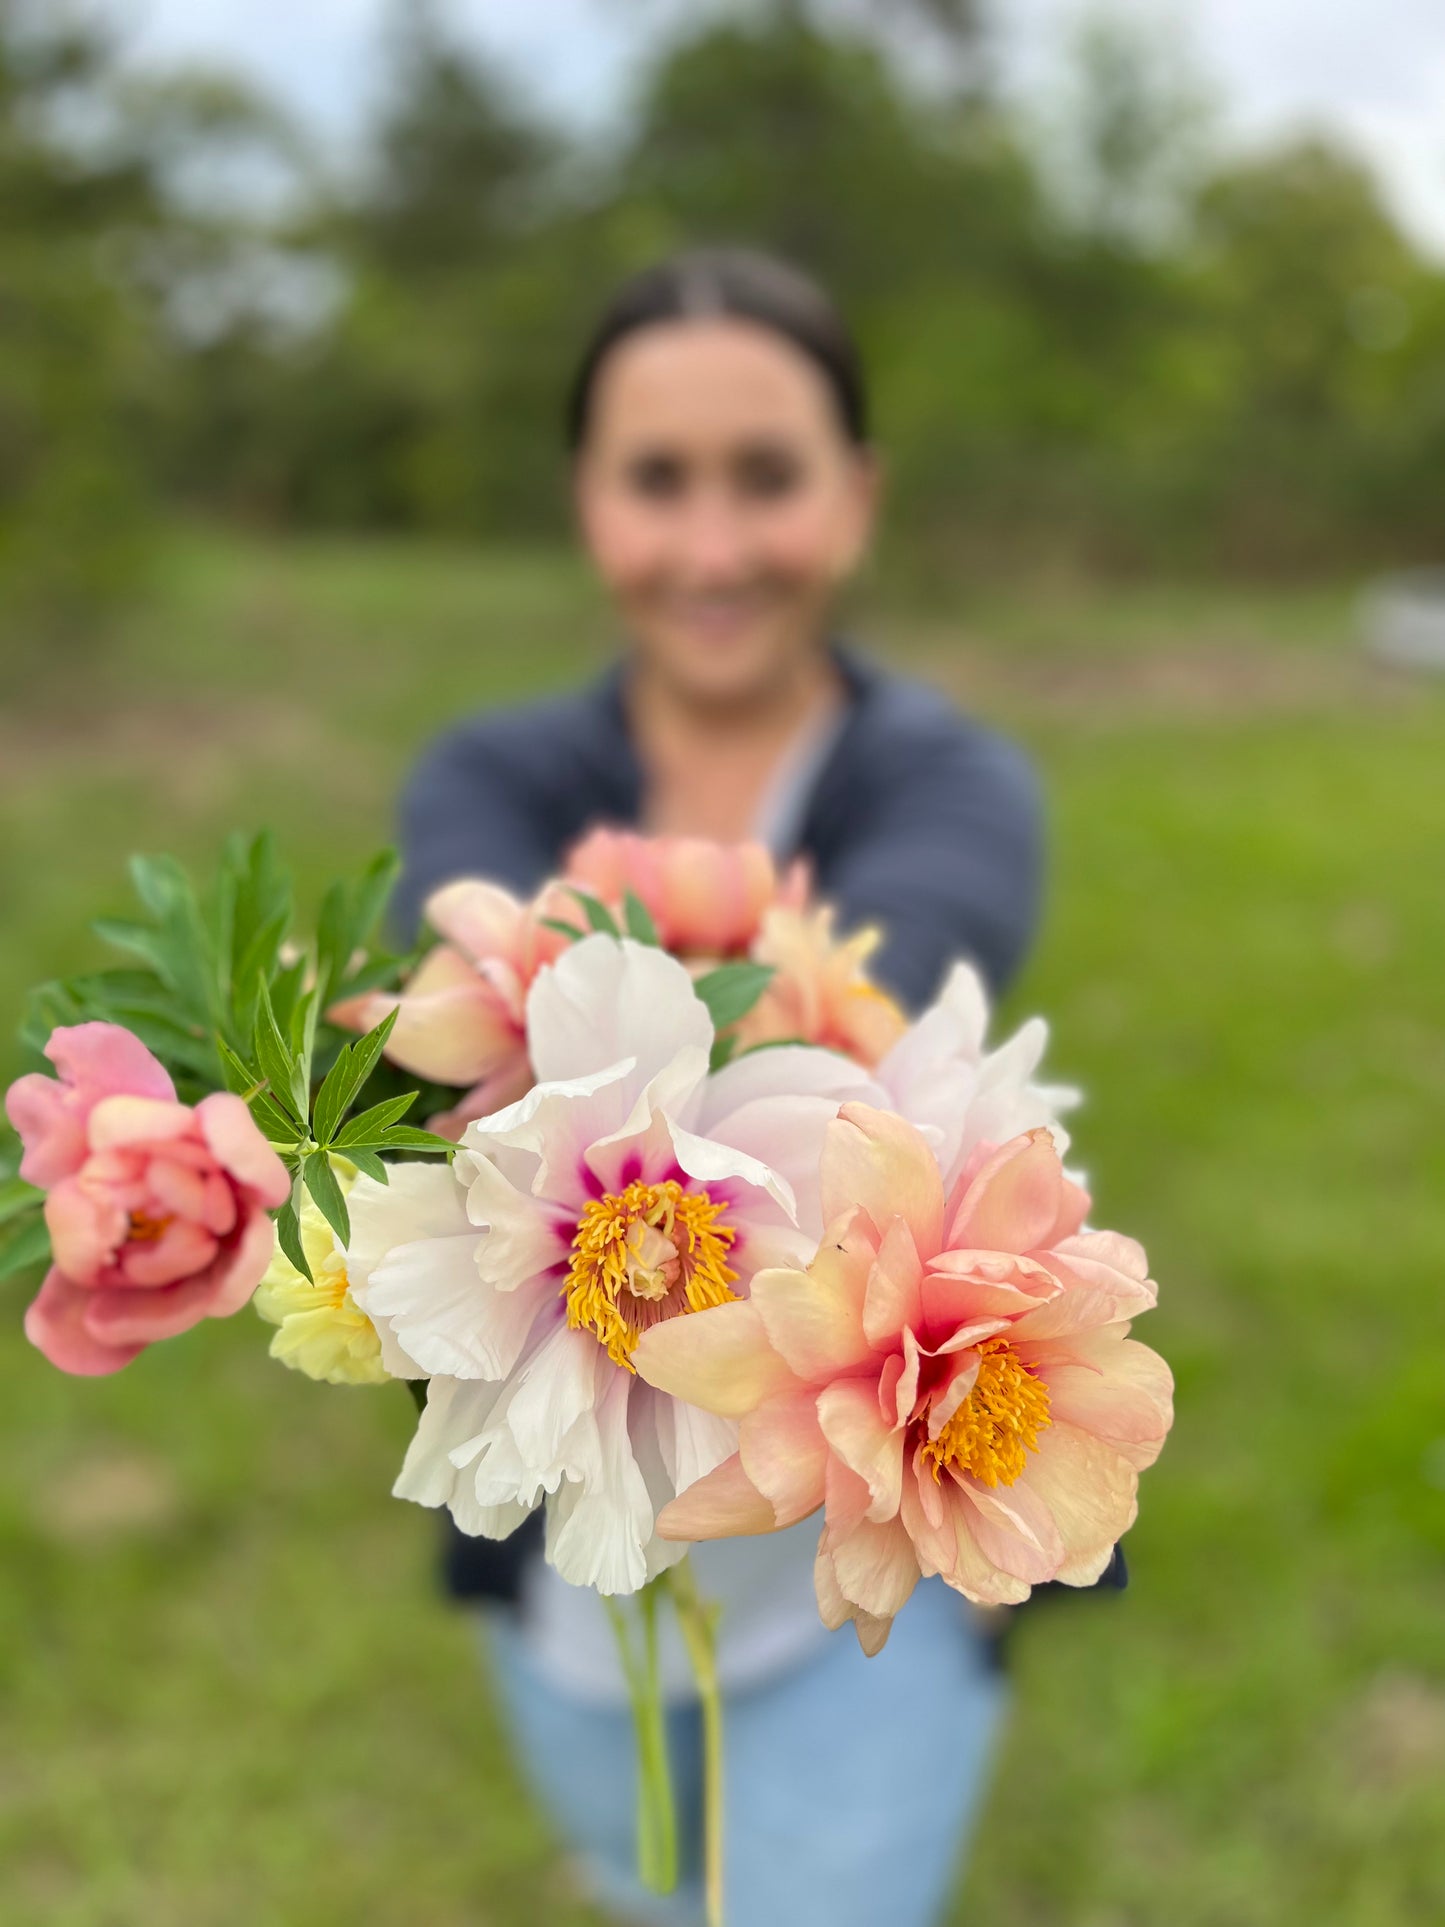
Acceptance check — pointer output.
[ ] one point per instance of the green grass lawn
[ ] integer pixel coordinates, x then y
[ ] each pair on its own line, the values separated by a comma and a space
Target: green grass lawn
228, 1693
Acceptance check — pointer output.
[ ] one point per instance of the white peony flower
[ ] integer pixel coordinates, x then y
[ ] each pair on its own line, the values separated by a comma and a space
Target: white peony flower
628, 1187
941, 1079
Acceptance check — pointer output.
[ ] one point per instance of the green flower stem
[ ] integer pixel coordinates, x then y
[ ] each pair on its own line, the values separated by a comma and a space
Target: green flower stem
698, 1621
656, 1812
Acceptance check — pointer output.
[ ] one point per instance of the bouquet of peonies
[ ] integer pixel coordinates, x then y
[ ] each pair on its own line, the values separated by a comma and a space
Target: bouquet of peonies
702, 1235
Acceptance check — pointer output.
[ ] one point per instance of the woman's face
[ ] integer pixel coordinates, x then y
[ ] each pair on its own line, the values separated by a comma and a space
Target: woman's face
721, 501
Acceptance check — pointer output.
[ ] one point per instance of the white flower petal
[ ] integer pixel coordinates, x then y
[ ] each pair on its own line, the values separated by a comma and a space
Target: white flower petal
443, 1314
603, 1000
596, 1534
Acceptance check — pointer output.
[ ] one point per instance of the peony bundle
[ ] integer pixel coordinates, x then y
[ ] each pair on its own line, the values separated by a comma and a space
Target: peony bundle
702, 1236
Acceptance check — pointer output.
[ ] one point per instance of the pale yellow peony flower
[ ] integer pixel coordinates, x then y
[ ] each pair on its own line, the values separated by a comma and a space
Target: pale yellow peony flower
323, 1331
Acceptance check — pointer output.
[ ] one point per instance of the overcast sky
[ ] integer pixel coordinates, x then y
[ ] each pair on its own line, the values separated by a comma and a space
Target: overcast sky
1374, 69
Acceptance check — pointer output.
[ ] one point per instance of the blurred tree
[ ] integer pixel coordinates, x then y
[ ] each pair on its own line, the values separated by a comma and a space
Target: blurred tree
74, 352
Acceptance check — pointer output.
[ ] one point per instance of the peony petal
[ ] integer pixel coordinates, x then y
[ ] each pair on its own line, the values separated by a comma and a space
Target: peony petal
596, 1534
874, 1565
1091, 1493
1014, 1200
876, 1161
181, 1251
893, 1301
239, 1147
866, 1442
720, 1359
1014, 1528
814, 1318
605, 1000
1110, 1386
86, 1226
443, 1314
119, 1122
784, 1455
724, 1504
239, 1270
55, 1325
835, 1610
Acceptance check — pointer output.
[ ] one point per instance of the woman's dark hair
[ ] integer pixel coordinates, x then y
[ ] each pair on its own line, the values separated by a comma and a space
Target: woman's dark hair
738, 283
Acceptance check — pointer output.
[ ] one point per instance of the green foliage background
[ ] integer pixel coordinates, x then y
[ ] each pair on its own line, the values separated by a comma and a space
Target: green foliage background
1119, 345
228, 1691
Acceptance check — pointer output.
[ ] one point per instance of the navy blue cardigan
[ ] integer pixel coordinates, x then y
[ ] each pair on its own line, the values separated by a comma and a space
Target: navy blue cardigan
920, 820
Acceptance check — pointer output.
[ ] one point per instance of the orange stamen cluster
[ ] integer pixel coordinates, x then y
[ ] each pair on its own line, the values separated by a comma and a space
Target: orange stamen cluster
644, 1254
996, 1427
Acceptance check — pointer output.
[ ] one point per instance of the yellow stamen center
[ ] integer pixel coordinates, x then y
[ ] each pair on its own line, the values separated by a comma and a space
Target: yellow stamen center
642, 1255
998, 1424
146, 1230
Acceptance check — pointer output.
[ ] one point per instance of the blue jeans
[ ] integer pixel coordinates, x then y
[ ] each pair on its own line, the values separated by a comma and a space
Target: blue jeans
851, 1783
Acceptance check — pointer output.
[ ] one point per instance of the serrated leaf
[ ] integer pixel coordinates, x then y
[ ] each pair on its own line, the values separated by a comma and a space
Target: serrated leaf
347, 1076
368, 1163
277, 1064
406, 1137
23, 1243
639, 920
731, 990
371, 1127
599, 917
327, 1195
288, 1232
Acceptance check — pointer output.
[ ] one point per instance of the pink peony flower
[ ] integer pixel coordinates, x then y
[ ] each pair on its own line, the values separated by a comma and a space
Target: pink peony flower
463, 1014
157, 1212
951, 1379
707, 899
821, 993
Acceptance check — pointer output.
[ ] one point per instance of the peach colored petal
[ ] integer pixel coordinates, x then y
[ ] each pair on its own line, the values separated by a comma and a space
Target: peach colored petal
117, 1123
85, 1227
720, 1359
949, 1546
236, 1143
1013, 1201
1014, 1528
55, 1325
723, 1504
814, 1318
866, 1442
836, 1611
239, 1270
784, 1455
128, 1317
876, 1161
108, 1058
52, 1130
875, 1566
481, 919
1091, 1495
893, 1300
176, 1188
967, 1285
181, 1251
1111, 1386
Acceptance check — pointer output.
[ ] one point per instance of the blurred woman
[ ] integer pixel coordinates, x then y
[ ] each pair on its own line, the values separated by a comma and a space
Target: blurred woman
726, 491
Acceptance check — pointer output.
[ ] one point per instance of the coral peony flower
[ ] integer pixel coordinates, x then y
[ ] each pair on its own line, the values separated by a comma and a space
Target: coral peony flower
951, 1379
322, 1330
157, 1212
706, 899
630, 1189
821, 992
463, 1013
